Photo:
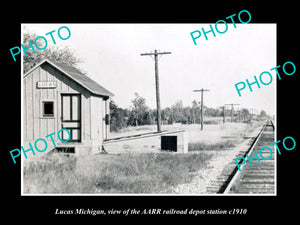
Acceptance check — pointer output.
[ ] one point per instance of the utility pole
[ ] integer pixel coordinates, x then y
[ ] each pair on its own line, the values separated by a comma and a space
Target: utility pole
232, 110
223, 114
251, 110
157, 84
201, 114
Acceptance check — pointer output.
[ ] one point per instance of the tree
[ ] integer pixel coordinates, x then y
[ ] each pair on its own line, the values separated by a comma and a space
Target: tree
262, 114
187, 115
148, 118
177, 111
117, 120
139, 110
245, 115
195, 112
64, 55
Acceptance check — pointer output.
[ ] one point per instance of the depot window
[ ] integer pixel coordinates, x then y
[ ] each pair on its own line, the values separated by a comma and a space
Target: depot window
48, 108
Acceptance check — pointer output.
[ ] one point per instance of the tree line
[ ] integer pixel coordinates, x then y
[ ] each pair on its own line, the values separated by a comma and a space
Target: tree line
140, 114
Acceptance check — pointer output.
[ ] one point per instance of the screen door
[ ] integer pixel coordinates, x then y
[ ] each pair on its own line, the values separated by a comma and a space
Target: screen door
71, 116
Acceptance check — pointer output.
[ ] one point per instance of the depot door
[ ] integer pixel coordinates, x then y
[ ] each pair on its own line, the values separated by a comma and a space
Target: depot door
71, 116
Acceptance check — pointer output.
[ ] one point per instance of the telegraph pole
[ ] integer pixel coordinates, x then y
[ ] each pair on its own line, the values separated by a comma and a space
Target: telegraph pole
157, 84
223, 114
201, 115
232, 110
251, 110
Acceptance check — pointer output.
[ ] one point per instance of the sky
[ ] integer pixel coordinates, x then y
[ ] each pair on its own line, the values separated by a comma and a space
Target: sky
111, 55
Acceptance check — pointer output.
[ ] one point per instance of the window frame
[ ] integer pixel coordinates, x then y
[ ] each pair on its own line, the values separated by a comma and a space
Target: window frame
43, 108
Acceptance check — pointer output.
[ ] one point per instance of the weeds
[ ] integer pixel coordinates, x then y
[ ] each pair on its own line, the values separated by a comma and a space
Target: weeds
126, 173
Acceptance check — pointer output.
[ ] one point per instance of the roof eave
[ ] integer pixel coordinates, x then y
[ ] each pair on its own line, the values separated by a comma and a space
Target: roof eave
67, 74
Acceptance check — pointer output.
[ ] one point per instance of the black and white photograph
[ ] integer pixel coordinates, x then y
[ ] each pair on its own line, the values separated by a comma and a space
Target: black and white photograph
164, 111
140, 109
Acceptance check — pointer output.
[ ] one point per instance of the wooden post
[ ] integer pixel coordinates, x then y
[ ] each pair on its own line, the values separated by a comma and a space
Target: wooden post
157, 92
231, 113
107, 112
157, 85
223, 114
232, 110
201, 113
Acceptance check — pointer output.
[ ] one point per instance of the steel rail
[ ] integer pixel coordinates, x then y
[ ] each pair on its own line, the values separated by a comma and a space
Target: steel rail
236, 173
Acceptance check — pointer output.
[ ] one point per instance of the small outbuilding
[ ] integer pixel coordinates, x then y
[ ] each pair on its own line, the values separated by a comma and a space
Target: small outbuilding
57, 96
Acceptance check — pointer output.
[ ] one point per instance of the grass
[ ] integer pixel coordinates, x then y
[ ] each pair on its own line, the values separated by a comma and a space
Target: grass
215, 146
131, 173
126, 173
218, 136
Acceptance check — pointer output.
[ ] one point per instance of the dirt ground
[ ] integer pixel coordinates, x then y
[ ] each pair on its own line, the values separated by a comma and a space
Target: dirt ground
211, 134
220, 158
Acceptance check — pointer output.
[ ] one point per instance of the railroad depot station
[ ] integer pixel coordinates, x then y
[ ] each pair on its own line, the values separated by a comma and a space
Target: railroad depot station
57, 96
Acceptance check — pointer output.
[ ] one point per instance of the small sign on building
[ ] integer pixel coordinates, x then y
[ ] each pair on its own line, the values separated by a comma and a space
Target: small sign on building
46, 84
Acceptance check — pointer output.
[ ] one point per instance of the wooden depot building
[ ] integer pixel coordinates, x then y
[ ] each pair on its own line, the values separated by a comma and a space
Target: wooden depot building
57, 96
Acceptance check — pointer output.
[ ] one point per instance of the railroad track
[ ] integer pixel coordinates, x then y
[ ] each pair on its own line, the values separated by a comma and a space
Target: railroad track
258, 179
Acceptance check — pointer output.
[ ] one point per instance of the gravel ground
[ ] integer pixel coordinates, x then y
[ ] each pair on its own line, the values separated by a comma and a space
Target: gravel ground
220, 159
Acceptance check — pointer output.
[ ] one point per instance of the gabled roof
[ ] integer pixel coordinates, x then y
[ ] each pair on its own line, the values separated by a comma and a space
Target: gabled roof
77, 76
